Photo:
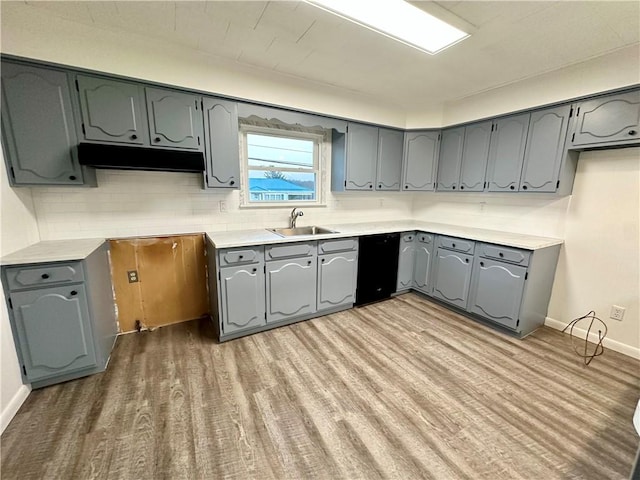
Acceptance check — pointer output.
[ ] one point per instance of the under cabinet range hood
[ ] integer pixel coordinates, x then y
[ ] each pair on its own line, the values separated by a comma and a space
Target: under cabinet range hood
139, 158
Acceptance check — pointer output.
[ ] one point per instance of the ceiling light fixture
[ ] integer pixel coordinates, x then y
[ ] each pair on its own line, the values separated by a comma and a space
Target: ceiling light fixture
398, 20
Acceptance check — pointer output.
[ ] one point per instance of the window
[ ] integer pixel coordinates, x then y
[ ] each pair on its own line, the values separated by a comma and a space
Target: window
281, 166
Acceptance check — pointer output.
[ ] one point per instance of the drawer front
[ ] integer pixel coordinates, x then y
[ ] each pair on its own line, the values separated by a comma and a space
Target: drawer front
290, 250
340, 245
34, 276
457, 244
511, 255
424, 237
240, 256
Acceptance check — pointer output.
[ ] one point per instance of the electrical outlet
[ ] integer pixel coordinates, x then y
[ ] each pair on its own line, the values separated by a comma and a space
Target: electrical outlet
133, 276
617, 313
222, 205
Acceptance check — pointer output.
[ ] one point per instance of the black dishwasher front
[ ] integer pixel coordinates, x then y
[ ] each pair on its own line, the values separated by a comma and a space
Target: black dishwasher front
377, 267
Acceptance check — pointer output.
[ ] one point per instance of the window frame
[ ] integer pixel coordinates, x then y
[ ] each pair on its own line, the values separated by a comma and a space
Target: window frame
320, 141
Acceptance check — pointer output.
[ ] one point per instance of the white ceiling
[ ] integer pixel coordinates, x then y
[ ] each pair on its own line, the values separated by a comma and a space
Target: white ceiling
510, 41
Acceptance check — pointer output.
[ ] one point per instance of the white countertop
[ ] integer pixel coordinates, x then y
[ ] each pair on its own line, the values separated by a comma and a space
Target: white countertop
262, 237
53, 251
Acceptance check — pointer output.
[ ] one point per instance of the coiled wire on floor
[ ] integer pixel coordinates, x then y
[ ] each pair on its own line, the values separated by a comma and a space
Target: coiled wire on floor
598, 349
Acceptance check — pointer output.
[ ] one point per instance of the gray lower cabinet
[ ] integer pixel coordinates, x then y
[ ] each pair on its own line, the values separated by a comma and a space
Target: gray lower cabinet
422, 280
506, 153
389, 166
420, 159
291, 288
362, 152
475, 154
38, 128
62, 317
175, 120
242, 297
406, 261
112, 111
607, 121
337, 275
450, 159
221, 143
496, 291
452, 276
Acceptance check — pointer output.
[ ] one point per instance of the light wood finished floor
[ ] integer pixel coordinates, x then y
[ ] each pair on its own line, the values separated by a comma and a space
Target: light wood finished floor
400, 389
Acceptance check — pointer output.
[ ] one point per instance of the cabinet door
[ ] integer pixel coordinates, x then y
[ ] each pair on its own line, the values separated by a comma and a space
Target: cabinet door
54, 330
450, 159
608, 120
506, 153
545, 149
38, 127
112, 111
242, 298
496, 291
389, 159
291, 288
420, 158
337, 274
362, 153
406, 261
452, 276
221, 137
175, 119
474, 156
422, 268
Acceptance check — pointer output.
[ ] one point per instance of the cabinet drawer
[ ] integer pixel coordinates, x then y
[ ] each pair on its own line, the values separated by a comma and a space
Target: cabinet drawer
456, 244
424, 237
34, 276
276, 252
340, 245
511, 255
239, 256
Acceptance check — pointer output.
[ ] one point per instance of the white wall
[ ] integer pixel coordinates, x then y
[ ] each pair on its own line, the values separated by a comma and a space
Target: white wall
18, 228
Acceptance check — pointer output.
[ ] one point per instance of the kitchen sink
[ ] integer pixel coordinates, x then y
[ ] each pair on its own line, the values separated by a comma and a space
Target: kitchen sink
299, 231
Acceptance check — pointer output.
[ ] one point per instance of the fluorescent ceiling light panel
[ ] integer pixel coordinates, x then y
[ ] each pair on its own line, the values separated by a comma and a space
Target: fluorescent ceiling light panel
396, 19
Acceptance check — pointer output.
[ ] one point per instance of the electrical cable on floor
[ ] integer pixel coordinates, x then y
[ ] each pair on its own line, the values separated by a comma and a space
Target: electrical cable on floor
599, 349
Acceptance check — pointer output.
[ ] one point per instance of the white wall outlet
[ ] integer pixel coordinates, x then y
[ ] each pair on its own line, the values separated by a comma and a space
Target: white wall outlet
617, 313
222, 205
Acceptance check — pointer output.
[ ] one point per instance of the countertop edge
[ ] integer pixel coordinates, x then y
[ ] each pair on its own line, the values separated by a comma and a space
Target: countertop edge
49, 251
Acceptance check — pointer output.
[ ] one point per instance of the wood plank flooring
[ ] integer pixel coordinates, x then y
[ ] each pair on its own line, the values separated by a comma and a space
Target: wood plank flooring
401, 389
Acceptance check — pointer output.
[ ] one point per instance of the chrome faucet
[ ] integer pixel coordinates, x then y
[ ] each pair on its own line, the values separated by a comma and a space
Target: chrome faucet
294, 216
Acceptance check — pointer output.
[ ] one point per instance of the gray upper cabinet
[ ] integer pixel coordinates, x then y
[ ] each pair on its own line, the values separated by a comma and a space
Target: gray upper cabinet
545, 149
38, 129
452, 277
450, 159
175, 120
337, 275
475, 155
496, 291
420, 160
506, 153
389, 166
362, 153
608, 121
242, 302
423, 263
406, 261
112, 111
221, 143
291, 288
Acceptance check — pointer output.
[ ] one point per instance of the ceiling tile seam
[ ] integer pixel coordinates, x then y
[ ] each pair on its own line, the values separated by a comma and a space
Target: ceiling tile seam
261, 15
305, 32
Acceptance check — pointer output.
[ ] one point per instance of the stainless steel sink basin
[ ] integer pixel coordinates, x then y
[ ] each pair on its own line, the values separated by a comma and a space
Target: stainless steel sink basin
299, 231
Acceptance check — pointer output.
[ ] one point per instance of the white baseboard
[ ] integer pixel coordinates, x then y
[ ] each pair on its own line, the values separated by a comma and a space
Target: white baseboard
593, 337
14, 405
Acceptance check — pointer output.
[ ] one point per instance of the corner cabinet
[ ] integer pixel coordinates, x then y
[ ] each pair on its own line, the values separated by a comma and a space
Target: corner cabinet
38, 128
420, 160
221, 143
62, 317
406, 260
422, 280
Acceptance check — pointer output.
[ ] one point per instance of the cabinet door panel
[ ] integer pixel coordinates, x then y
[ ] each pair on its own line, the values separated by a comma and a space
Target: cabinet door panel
389, 159
242, 297
174, 119
452, 276
611, 119
38, 126
54, 330
497, 290
450, 158
406, 261
423, 266
291, 288
112, 111
362, 153
337, 275
506, 153
420, 158
221, 137
475, 155
545, 149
